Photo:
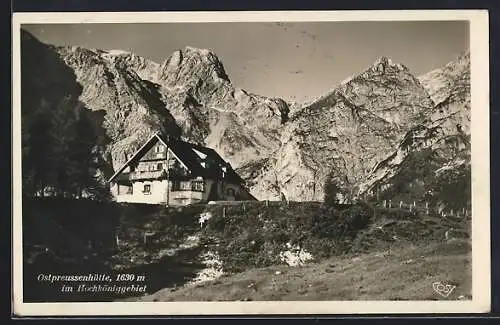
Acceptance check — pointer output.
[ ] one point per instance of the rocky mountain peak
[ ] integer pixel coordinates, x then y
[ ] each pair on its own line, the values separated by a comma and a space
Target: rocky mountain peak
384, 64
464, 57
382, 67
400, 96
385, 61
346, 131
442, 140
78, 55
145, 68
192, 65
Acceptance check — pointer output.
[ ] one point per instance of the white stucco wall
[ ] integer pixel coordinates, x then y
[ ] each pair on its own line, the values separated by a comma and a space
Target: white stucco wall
185, 197
157, 195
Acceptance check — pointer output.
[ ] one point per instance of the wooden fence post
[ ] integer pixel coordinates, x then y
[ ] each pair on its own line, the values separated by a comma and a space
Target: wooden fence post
223, 212
147, 236
385, 203
117, 240
411, 206
400, 204
390, 204
244, 209
426, 207
267, 203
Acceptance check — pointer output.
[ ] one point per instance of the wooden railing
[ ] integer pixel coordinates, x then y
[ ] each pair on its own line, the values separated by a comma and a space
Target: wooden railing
190, 186
146, 175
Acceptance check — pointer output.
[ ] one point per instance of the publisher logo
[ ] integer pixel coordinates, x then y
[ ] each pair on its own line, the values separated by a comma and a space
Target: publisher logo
443, 289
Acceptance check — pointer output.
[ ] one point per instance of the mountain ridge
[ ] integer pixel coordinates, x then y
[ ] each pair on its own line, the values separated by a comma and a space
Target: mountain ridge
282, 149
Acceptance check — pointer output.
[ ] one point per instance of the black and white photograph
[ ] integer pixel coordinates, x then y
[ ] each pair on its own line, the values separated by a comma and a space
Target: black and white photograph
259, 162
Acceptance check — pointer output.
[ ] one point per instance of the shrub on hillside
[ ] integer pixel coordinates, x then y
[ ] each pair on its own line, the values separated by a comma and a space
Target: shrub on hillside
452, 187
337, 190
331, 190
255, 237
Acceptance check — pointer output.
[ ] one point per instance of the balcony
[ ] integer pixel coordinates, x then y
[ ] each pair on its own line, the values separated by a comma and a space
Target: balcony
135, 176
185, 197
144, 175
188, 186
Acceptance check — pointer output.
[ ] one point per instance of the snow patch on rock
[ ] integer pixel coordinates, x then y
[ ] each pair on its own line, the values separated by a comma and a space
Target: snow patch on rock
204, 217
190, 242
212, 270
295, 256
118, 52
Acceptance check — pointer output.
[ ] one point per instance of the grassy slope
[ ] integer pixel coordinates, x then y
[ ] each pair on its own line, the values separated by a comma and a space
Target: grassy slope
403, 273
348, 246
255, 237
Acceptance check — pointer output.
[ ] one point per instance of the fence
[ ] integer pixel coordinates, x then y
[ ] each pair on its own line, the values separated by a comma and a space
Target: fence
425, 207
225, 207
386, 204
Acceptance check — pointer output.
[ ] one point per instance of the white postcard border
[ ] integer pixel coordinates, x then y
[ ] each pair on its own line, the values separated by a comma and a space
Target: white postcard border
479, 51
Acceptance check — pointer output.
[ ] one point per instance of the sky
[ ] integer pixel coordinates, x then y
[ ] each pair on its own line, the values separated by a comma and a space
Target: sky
295, 61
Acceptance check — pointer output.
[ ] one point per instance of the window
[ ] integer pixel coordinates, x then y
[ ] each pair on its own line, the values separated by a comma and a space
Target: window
230, 192
147, 189
197, 186
159, 150
185, 186
159, 166
181, 186
124, 189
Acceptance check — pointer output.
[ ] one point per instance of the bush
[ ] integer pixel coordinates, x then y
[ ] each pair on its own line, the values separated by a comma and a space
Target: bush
331, 190
255, 237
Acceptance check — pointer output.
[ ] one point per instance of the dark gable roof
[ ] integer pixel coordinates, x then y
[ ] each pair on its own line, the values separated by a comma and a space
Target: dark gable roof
230, 173
184, 151
139, 153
